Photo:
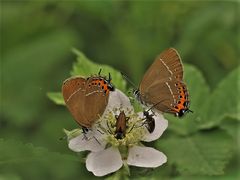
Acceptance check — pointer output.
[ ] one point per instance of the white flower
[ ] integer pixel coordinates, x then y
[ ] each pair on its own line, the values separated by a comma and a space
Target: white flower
108, 154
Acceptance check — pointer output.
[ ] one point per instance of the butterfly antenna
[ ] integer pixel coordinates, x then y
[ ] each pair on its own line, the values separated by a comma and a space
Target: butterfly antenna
128, 80
190, 111
109, 77
100, 70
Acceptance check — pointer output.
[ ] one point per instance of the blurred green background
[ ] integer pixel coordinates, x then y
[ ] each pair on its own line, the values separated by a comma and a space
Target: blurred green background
36, 42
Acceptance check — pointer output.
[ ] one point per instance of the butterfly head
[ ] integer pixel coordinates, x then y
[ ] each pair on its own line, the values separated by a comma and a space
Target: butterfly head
109, 84
182, 112
137, 95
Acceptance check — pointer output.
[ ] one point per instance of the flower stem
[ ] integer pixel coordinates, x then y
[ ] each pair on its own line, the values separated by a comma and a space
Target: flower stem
121, 174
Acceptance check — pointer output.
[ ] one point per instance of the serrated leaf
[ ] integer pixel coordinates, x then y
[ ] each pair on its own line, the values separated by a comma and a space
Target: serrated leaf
204, 153
223, 102
86, 67
56, 97
198, 90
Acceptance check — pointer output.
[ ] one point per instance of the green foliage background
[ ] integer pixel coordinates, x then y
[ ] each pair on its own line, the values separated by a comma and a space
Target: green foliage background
37, 38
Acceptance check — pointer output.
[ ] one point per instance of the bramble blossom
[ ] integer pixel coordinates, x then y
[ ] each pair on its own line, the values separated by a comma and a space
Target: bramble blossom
107, 153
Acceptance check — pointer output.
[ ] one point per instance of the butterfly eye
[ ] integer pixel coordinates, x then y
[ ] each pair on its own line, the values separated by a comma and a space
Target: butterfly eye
185, 103
181, 112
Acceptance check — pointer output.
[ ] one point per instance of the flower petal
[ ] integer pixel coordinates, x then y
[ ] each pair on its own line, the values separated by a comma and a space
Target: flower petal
118, 99
161, 125
117, 102
84, 143
145, 157
104, 162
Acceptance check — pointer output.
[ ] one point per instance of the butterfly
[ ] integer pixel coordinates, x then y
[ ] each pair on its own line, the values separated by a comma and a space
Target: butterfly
87, 98
162, 85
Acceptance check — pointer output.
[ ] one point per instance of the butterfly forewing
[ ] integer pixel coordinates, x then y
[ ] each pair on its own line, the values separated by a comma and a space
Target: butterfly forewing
73, 91
172, 63
71, 86
166, 66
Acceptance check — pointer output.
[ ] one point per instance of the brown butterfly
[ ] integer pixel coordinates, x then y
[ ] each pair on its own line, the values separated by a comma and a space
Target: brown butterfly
163, 82
87, 98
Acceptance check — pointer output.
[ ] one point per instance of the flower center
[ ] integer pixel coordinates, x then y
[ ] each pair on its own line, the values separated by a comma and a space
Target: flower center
122, 128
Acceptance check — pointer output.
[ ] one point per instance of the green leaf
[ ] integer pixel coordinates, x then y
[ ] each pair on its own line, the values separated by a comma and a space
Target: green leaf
198, 91
232, 126
230, 174
85, 67
9, 176
56, 97
204, 153
16, 152
35, 162
224, 101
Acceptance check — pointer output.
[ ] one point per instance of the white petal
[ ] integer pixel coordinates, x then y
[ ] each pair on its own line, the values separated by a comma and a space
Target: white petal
118, 99
161, 125
104, 162
145, 157
84, 143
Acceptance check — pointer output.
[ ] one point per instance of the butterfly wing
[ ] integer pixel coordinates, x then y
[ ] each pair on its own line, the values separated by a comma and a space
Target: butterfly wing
73, 90
86, 99
166, 66
167, 96
96, 100
162, 84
